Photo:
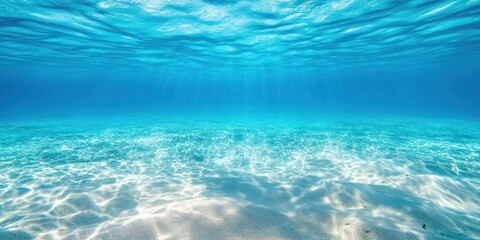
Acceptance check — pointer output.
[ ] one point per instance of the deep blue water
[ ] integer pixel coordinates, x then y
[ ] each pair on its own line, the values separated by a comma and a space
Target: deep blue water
258, 119
419, 57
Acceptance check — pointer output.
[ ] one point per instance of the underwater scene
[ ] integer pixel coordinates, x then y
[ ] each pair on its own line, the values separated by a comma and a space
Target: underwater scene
232, 119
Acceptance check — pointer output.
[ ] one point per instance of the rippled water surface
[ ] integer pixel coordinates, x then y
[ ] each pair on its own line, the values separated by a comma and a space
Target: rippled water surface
332, 178
223, 34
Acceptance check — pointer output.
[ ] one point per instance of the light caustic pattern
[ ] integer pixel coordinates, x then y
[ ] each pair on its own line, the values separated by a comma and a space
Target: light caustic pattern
340, 179
219, 34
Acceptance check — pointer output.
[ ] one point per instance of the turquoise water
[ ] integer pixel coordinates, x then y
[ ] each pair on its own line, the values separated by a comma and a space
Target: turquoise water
228, 35
230, 119
180, 178
338, 56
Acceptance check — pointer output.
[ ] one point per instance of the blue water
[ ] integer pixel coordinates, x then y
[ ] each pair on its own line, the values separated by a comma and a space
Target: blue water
261, 119
413, 57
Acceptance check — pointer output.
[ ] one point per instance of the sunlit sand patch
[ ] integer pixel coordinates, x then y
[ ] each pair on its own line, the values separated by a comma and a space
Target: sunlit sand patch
240, 181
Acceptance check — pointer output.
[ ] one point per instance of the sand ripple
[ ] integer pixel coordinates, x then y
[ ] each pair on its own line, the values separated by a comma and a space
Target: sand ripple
341, 179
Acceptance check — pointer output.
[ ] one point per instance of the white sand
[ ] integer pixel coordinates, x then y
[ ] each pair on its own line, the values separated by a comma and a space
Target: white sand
254, 183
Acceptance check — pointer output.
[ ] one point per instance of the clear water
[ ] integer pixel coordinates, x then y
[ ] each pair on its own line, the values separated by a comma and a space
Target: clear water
338, 56
228, 119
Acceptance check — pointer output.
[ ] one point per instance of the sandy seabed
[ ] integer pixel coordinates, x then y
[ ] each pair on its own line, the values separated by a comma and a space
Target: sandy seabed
343, 179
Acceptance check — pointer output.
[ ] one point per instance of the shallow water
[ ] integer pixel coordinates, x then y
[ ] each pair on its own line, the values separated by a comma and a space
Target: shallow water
229, 119
347, 178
